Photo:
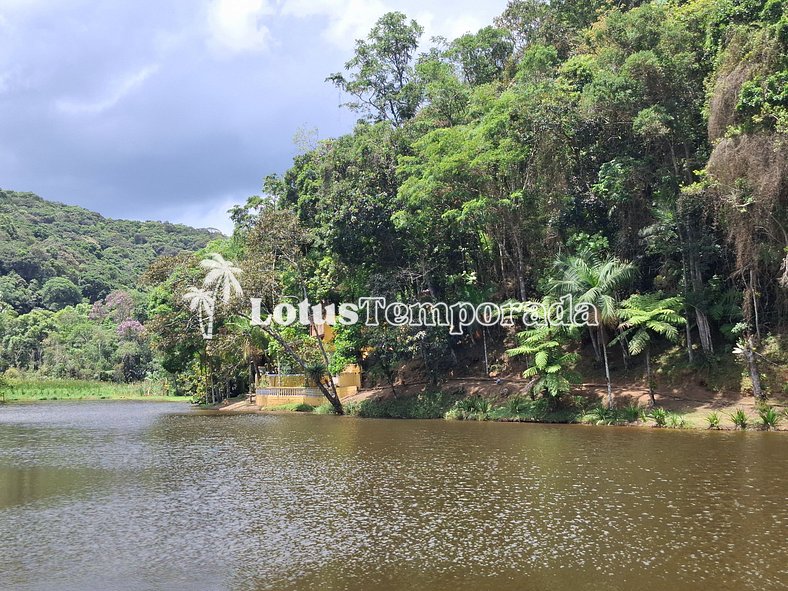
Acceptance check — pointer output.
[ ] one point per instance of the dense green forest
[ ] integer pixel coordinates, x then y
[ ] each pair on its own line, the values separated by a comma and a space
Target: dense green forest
70, 303
629, 153
632, 154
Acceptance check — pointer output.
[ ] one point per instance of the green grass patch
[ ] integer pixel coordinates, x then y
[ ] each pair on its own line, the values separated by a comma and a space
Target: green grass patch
54, 389
295, 407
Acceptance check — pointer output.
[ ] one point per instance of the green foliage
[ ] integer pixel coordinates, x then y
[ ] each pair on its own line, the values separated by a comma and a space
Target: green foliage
41, 241
675, 421
381, 75
301, 407
602, 415
660, 417
769, 417
632, 413
36, 388
482, 57
740, 419
325, 409
60, 292
713, 419
474, 408
551, 365
644, 315
428, 405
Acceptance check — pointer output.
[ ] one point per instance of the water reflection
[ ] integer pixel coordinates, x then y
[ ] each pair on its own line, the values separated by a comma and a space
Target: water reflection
148, 496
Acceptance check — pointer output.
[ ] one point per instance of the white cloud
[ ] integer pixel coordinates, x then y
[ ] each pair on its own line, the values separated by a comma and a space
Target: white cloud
346, 20
453, 27
236, 26
117, 92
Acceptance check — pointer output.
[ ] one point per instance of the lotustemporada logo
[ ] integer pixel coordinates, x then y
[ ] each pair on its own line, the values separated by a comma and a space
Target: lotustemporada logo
221, 285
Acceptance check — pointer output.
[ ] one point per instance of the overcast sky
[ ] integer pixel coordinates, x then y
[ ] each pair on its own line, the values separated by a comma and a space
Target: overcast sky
176, 109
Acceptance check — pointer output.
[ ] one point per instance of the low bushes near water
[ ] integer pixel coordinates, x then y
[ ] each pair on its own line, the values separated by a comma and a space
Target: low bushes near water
474, 408
326, 409
632, 413
428, 405
663, 418
564, 409
601, 415
546, 409
713, 419
660, 416
453, 406
676, 421
739, 418
769, 418
295, 407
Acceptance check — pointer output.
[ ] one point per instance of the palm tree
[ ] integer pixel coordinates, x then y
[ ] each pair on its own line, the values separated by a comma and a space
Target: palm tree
551, 370
544, 345
644, 316
202, 302
222, 275
594, 281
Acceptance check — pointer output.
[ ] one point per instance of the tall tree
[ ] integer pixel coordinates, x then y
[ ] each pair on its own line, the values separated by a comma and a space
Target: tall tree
381, 74
645, 316
596, 282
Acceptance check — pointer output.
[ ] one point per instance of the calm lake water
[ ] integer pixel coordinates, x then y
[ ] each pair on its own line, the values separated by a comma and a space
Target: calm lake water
125, 495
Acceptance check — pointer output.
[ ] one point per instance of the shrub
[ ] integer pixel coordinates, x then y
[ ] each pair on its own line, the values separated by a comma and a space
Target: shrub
428, 405
769, 418
632, 413
324, 409
739, 419
713, 419
474, 408
676, 421
515, 405
660, 417
601, 415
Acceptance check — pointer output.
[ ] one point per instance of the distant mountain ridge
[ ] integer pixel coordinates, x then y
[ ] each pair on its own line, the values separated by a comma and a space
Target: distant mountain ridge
41, 240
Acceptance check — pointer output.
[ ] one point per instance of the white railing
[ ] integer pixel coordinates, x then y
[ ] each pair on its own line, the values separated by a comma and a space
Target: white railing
288, 391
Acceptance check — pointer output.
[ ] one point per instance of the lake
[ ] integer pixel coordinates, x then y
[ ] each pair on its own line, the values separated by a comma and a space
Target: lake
137, 495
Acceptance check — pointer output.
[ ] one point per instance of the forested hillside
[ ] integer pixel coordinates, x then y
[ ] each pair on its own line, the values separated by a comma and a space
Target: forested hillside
70, 300
82, 254
632, 154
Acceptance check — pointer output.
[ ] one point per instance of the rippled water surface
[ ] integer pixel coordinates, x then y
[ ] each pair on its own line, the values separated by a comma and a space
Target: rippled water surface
124, 495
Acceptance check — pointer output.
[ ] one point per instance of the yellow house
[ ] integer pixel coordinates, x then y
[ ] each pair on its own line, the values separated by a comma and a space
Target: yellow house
278, 390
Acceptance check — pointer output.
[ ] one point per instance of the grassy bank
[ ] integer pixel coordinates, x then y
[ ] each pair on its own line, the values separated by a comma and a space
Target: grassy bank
51, 389
453, 406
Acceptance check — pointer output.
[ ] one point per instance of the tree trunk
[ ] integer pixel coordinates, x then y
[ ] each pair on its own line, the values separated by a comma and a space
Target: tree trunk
607, 368
624, 351
520, 271
651, 399
486, 363
755, 306
704, 331
755, 376
597, 356
688, 333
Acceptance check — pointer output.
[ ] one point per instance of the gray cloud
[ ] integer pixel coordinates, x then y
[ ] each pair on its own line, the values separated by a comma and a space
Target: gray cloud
174, 110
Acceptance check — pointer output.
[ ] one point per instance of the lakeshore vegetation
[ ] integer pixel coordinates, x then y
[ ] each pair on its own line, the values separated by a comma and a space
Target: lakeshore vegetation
630, 154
